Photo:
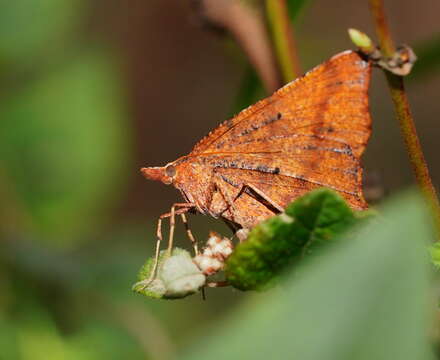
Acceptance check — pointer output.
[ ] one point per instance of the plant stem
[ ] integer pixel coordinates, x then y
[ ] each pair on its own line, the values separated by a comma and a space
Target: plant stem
284, 41
403, 112
382, 30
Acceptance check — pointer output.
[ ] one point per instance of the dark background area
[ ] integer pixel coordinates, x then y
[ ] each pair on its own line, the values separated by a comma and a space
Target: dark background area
91, 91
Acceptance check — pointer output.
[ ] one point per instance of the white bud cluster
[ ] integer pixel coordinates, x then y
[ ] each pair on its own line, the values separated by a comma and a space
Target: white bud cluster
213, 257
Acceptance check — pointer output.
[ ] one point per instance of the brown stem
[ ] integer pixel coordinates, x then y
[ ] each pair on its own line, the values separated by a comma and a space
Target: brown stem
404, 115
382, 29
283, 37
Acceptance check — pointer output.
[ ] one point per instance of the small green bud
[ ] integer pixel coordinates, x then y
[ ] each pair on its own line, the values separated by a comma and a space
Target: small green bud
361, 40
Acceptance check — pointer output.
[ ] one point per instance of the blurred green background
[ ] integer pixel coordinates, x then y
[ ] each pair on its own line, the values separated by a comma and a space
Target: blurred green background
90, 91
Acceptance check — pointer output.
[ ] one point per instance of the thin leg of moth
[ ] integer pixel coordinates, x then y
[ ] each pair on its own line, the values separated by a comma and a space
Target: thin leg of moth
171, 233
156, 255
157, 252
255, 190
228, 202
190, 234
243, 233
171, 215
259, 193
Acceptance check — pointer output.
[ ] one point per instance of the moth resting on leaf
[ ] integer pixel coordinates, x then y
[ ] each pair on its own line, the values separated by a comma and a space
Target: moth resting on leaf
310, 133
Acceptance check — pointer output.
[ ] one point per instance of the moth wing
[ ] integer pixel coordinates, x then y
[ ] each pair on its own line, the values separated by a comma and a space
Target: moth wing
286, 169
270, 192
310, 133
329, 102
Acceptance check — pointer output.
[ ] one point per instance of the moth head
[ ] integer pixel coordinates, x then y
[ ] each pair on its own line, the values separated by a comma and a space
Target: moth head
165, 174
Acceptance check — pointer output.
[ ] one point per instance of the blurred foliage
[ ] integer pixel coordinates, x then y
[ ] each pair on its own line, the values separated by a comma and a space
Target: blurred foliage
35, 336
28, 26
62, 126
64, 145
428, 58
73, 306
364, 299
62, 142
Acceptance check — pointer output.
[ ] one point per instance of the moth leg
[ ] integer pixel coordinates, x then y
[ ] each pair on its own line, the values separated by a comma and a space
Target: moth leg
240, 232
260, 195
190, 234
212, 188
229, 203
147, 282
249, 189
185, 208
171, 232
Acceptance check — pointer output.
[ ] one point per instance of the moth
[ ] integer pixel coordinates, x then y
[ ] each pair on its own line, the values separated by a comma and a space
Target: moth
310, 133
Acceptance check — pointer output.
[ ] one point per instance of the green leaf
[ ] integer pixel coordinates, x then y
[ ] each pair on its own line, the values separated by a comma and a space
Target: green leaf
99, 340
63, 146
309, 222
364, 299
34, 335
29, 28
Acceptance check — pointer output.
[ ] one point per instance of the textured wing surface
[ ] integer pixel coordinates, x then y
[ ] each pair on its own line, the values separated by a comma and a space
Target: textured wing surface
310, 133
328, 102
271, 187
